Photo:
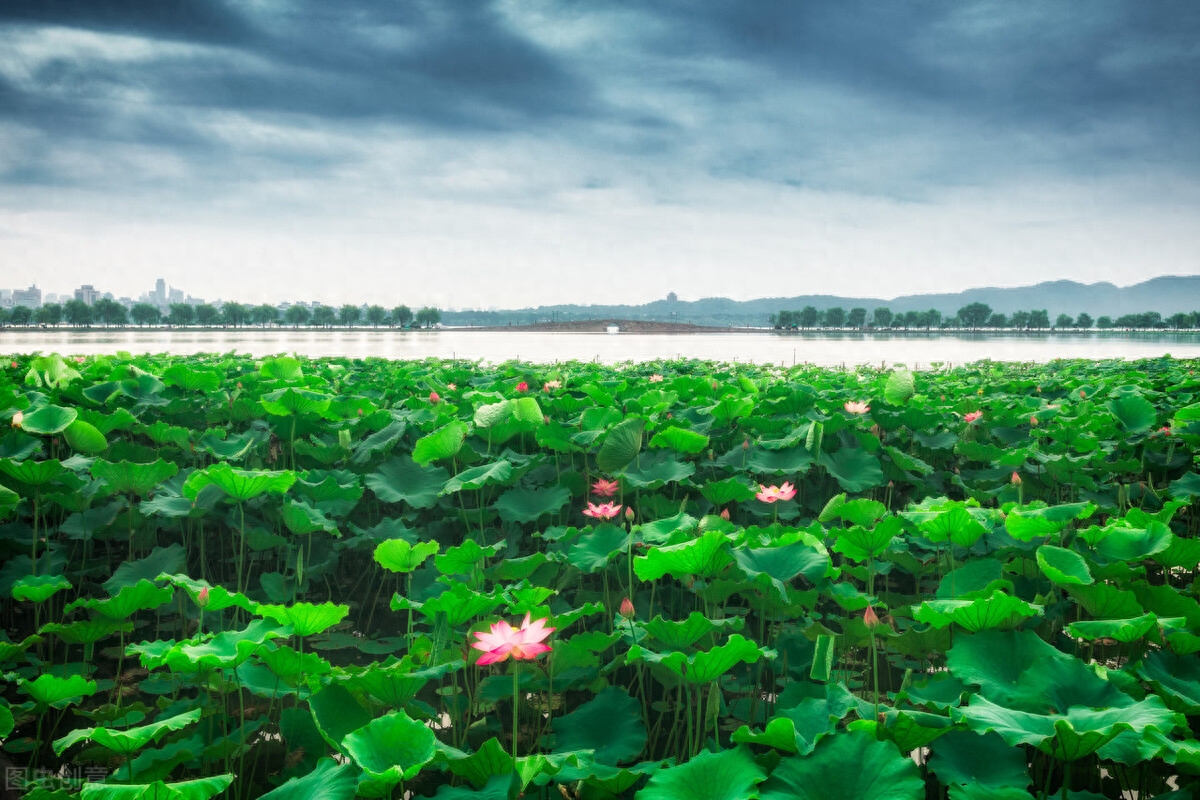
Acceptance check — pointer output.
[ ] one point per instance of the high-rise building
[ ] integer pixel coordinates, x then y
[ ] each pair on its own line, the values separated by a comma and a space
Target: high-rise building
87, 294
160, 292
30, 298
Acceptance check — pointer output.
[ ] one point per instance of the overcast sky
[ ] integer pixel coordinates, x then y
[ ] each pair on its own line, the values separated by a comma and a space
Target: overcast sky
508, 154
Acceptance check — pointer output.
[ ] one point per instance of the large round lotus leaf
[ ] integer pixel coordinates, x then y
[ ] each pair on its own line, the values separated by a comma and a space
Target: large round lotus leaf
83, 437
965, 758
998, 610
481, 766
328, 781
199, 789
805, 713
50, 690
954, 524
443, 443
161, 559
1134, 545
1134, 412
398, 555
1122, 630
1186, 487
976, 578
126, 741
682, 634
657, 470
126, 477
306, 618
39, 588
591, 552
86, 631
709, 665
498, 473
848, 766
1063, 566
1106, 602
705, 557
48, 420
7, 723
610, 724
1019, 670
862, 544
219, 598
900, 387
680, 439
621, 445
302, 519
33, 473
286, 402
334, 492
192, 379
792, 460
1176, 678
730, 490
727, 775
778, 565
239, 484
526, 505
861, 511
401, 479
129, 599
1027, 523
282, 368
855, 470
291, 665
460, 603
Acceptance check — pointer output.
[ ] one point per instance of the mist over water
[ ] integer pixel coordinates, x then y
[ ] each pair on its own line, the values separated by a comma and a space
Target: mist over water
916, 350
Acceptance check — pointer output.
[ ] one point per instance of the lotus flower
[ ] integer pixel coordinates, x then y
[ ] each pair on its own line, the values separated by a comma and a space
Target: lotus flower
434, 398
605, 488
17, 419
769, 494
1033, 421
655, 378
551, 385
870, 618
450, 387
522, 387
202, 598
626, 611
972, 416
602, 510
523, 643
856, 407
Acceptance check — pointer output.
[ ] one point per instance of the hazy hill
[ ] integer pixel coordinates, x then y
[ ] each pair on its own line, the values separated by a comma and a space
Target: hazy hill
1166, 295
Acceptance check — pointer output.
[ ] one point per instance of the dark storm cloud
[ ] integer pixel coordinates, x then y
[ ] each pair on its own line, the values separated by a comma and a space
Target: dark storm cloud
185, 20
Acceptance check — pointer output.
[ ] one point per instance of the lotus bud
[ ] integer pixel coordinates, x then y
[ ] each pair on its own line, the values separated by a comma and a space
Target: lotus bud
1082, 394
239, 384
434, 399
626, 611
202, 598
360, 412
746, 443
714, 386
1016, 479
545, 419
629, 513
15, 365
1033, 421
522, 387
725, 514
450, 387
17, 419
870, 618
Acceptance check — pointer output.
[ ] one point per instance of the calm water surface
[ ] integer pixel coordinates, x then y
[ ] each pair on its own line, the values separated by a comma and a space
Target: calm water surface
914, 349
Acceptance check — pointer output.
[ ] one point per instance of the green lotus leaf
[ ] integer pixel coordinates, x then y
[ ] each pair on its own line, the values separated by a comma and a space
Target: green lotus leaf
851, 766
240, 485
83, 437
379, 442
592, 552
129, 599
955, 524
306, 619
999, 610
908, 462
1175, 678
497, 473
161, 559
199, 789
466, 559
910, 729
805, 714
1135, 413
706, 666
900, 387
1185, 488
86, 631
1122, 630
1133, 545
862, 544
125, 477
966, 758
1179, 553
784, 560
56, 692
232, 447
10, 651
401, 479
302, 519
977, 578
855, 470
609, 724
33, 473
681, 440
289, 401
227, 649
282, 368
861, 511
443, 443
498, 787
396, 684
1167, 601
707, 557
727, 775
145, 389
7, 723
327, 781
48, 420
1025, 524
127, 741
460, 603
731, 408
39, 588
621, 445
657, 470
398, 555
336, 713
219, 598
480, 767
793, 460
9, 500
51, 372
527, 505
682, 634
731, 490
192, 379
490, 415
1065, 567
292, 666
1106, 602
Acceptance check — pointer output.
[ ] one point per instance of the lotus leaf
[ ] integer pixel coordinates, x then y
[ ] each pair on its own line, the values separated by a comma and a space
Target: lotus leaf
306, 619
443, 443
161, 560
497, 473
56, 692
609, 724
527, 505
621, 445
728, 775
1062, 566
39, 588
681, 440
855, 470
806, 713
1122, 630
965, 758
239, 484
707, 556
703, 667
853, 766
128, 740
48, 420
591, 553
680, 635
84, 437
398, 555
199, 789
327, 781
402, 479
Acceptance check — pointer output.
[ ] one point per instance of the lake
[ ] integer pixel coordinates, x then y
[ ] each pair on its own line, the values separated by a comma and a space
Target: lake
914, 349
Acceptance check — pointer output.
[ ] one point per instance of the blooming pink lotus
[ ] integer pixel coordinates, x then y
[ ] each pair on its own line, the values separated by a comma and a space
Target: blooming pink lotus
769, 494
655, 378
605, 488
550, 386
971, 416
602, 510
856, 407
503, 640
522, 387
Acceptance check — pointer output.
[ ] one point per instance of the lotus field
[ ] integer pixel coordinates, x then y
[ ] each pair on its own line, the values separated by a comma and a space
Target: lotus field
341, 578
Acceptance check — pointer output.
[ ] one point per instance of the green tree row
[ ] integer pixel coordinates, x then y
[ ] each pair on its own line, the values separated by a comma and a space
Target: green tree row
974, 316
111, 313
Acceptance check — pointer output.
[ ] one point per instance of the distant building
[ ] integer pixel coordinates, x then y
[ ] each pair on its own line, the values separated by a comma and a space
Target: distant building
30, 298
175, 295
160, 292
87, 294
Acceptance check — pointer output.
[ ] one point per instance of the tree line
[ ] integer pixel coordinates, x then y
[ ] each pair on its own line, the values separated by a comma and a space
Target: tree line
104, 311
975, 316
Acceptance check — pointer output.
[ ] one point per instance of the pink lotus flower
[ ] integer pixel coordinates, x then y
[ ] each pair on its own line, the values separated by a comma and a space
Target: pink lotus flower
1033, 421
769, 494
856, 407
605, 488
972, 416
16, 366
551, 385
655, 378
626, 609
1082, 394
202, 597
523, 643
522, 387
434, 399
602, 510
870, 618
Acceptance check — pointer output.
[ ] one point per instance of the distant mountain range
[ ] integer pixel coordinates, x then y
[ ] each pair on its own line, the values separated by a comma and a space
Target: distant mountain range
1166, 295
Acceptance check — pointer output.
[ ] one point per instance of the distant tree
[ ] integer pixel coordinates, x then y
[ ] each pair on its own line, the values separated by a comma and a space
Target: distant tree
1179, 320
22, 315
49, 314
428, 316
207, 315
1104, 323
975, 315
235, 314
835, 317
997, 320
1151, 319
402, 315
881, 317
264, 314
1019, 320
377, 315
1064, 321
1084, 320
110, 312
76, 313
933, 318
181, 314
3, 316
857, 317
296, 316
349, 315
807, 318
324, 317
771, 318
144, 314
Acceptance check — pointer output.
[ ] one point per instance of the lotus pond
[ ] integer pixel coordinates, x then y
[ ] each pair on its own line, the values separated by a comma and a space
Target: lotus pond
264, 578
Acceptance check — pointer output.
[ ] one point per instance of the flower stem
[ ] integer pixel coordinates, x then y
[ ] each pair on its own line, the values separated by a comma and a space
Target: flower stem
516, 697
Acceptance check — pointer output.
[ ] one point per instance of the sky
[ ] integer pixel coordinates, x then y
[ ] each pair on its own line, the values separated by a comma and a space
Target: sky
516, 153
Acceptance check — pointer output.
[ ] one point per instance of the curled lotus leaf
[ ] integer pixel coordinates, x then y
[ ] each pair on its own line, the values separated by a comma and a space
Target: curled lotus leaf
126, 477
127, 741
239, 484
198, 789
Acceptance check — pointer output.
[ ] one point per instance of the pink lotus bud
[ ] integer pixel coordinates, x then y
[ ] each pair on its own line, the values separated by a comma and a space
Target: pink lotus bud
870, 618
725, 514
522, 387
746, 444
714, 385
629, 513
202, 598
15, 365
239, 384
360, 412
626, 608
433, 398
1082, 394
1033, 421
1016, 479
17, 419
